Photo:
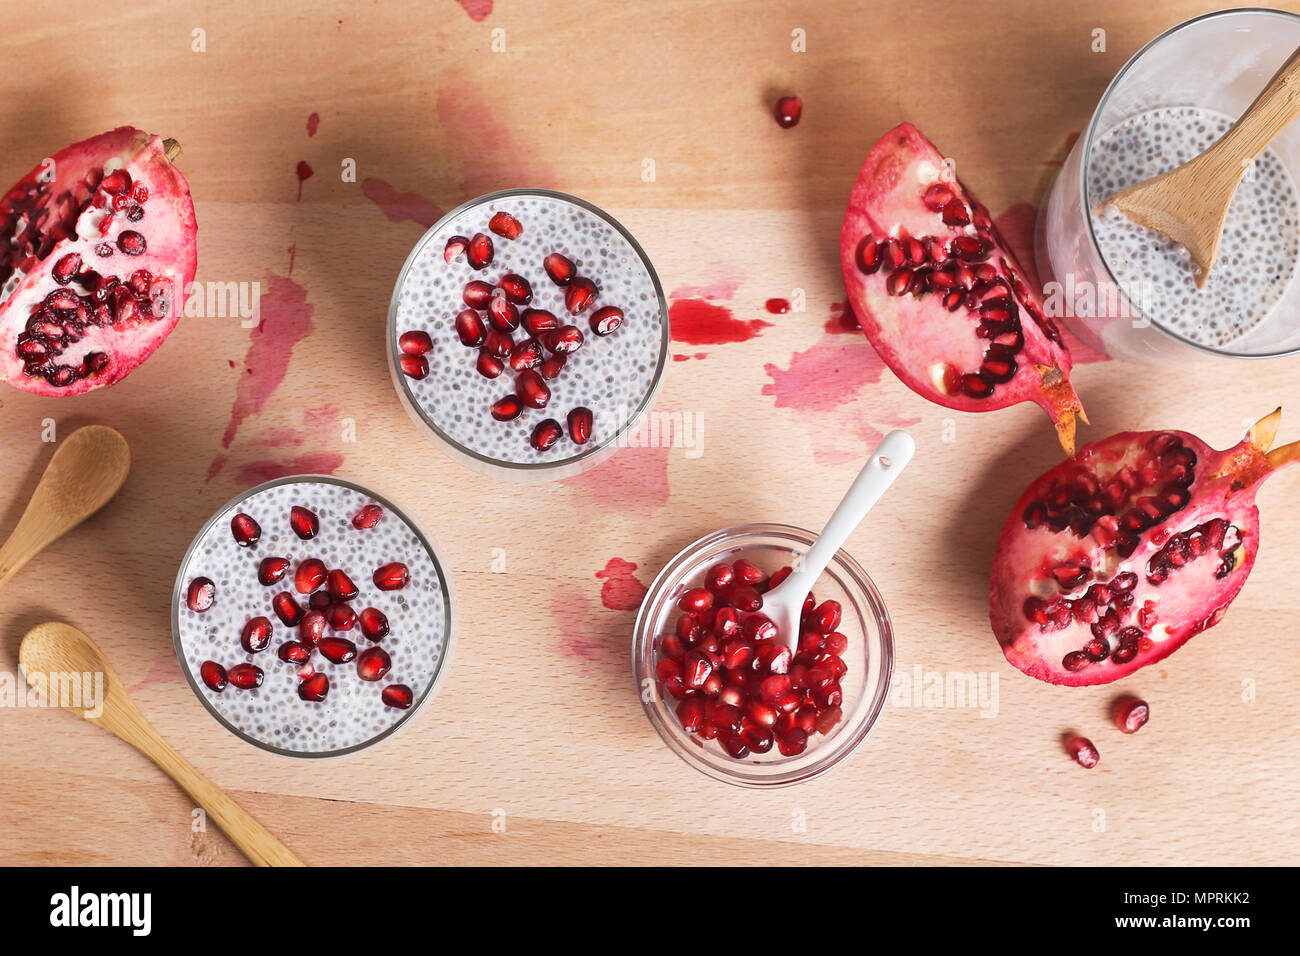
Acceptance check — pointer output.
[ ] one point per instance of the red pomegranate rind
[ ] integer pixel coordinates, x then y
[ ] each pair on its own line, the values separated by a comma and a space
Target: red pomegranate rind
1114, 560
940, 294
97, 248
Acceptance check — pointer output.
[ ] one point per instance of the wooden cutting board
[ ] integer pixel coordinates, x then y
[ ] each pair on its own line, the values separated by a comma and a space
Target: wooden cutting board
536, 750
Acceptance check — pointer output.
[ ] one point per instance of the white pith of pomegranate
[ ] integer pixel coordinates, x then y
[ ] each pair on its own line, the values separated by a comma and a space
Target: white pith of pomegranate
940, 294
97, 247
1113, 560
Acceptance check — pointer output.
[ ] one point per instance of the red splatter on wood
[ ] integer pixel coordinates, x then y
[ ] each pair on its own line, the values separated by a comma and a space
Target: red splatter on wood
492, 158
701, 322
842, 320
635, 479
315, 463
313, 124
401, 207
621, 590
826, 376
305, 172
478, 10
777, 306
723, 288
571, 611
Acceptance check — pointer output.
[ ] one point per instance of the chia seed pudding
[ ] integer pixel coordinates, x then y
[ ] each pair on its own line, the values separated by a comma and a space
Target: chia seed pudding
555, 403
380, 651
1261, 235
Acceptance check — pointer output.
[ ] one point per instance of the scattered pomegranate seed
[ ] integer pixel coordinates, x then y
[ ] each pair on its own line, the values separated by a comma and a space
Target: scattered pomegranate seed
415, 342
294, 652
517, 289
340, 586
320, 599
580, 420
480, 251
314, 688
245, 676
477, 294
304, 522
581, 292
367, 517
310, 575
565, 339
256, 635
559, 268
537, 321
606, 320
545, 434
392, 577
787, 111
373, 663
1083, 751
552, 365
526, 354
499, 344
1131, 714
339, 650
200, 595
414, 366
505, 225
532, 389
502, 313
341, 617
507, 409
488, 365
397, 695
455, 248
272, 570
470, 328
245, 529
312, 627
214, 675
374, 624
287, 609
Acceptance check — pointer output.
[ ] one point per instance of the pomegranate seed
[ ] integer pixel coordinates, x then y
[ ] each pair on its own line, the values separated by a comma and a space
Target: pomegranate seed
507, 409
339, 650
340, 586
742, 597
696, 599
532, 389
747, 572
827, 719
294, 652
726, 624
319, 600
793, 742
826, 617
498, 344
131, 242
272, 570
936, 197
470, 328
517, 288
774, 658
312, 627
505, 225
758, 739
397, 695
759, 627
559, 268
787, 111
200, 595
214, 675
581, 292
415, 342
367, 517
526, 354
245, 529
545, 434
414, 366
836, 643
606, 320
580, 420
245, 676
735, 746
480, 251
314, 688
256, 635
552, 365
455, 248
373, 663
696, 670
288, 610
116, 183
502, 314
1132, 714
305, 524
310, 575
537, 321
374, 624
488, 365
1083, 751
718, 577
392, 577
66, 268
566, 339
477, 294
690, 714
341, 617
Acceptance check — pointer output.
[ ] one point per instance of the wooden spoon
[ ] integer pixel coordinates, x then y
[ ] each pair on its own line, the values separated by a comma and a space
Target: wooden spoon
87, 469
1188, 204
55, 648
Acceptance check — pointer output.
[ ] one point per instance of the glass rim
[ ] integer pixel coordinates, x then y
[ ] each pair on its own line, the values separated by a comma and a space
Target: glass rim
875, 699
448, 596
661, 364
1086, 142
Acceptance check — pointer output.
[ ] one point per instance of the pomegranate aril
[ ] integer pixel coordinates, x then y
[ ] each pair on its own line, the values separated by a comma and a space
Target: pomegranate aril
213, 674
696, 669
415, 342
773, 658
287, 609
507, 409
245, 676
470, 328
397, 695
580, 421
338, 650
537, 321
552, 365
743, 597
787, 111
373, 663
747, 572
256, 635
294, 652
526, 354
479, 252
374, 624
696, 600
793, 742
367, 517
566, 339
726, 623
310, 575
498, 344
314, 688
488, 365
392, 577
1131, 715
559, 268
827, 719
245, 529
477, 294
517, 289
579, 295
532, 389
719, 576
505, 225
1083, 751
545, 434
503, 314
340, 586
341, 617
414, 366
759, 627
455, 248
200, 595
606, 320
304, 522
131, 243
690, 714
826, 616
312, 627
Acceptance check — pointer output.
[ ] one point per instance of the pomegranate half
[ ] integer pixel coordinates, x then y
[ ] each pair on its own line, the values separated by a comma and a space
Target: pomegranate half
1113, 560
940, 294
97, 248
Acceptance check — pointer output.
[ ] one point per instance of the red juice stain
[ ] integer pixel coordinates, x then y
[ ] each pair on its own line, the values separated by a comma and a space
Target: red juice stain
401, 207
621, 590
505, 162
777, 306
571, 612
842, 320
305, 172
635, 479
478, 10
316, 463
701, 322
313, 124
824, 377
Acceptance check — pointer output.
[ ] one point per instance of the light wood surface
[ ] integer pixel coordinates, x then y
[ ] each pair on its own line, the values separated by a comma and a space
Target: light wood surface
536, 749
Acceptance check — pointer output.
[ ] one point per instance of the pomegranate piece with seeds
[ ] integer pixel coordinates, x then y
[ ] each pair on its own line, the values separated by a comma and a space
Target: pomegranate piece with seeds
787, 111
97, 247
1132, 714
245, 529
200, 595
941, 296
1114, 560
304, 522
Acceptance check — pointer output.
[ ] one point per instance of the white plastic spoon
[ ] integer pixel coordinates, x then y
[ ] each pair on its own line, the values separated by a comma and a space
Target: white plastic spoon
784, 603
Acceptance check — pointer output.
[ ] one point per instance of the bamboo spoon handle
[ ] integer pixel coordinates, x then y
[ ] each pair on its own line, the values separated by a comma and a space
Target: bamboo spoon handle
1268, 115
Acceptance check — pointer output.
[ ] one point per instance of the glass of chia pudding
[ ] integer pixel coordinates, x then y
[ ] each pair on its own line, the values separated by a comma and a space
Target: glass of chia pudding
721, 686
312, 617
527, 334
1132, 292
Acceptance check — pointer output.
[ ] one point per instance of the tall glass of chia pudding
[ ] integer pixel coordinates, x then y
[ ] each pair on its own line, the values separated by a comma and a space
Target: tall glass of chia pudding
527, 334
1131, 292
312, 617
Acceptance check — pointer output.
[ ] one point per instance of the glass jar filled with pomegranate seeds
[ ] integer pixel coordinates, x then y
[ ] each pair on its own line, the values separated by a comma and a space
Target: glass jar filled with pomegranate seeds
723, 688
527, 334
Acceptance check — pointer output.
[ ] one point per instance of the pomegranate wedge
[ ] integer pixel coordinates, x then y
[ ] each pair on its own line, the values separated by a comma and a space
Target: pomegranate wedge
940, 294
1114, 560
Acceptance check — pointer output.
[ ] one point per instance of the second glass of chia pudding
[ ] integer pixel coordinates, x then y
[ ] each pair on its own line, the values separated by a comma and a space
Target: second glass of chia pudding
528, 334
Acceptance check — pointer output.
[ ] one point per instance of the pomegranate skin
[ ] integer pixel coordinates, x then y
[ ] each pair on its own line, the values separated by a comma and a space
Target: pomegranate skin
104, 352
1091, 608
899, 291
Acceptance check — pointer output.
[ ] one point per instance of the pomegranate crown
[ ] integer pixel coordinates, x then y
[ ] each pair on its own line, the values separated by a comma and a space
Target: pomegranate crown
1254, 458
